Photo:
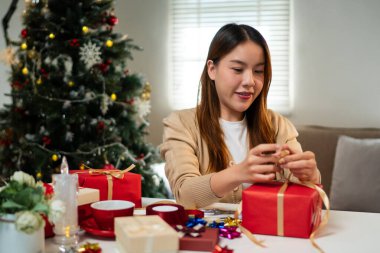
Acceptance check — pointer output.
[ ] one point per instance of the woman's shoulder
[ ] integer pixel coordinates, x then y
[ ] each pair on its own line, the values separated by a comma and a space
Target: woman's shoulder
281, 124
186, 117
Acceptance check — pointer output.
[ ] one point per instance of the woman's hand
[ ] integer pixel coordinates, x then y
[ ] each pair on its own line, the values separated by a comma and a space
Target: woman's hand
260, 164
302, 165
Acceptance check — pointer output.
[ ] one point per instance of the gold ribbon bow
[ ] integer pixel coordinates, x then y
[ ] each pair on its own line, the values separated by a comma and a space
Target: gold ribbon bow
114, 173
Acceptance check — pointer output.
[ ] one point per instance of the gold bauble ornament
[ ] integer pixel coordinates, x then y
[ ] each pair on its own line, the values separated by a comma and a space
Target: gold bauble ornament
51, 36
32, 54
54, 157
39, 175
24, 46
71, 83
145, 95
85, 29
25, 70
39, 81
109, 43
113, 97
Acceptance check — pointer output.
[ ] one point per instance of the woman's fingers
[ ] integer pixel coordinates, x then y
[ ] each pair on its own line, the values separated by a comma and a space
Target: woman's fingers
265, 149
263, 169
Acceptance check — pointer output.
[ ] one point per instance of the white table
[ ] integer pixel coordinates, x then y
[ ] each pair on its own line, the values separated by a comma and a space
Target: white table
346, 232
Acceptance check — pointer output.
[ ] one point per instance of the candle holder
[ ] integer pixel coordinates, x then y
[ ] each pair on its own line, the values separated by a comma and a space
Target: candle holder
66, 226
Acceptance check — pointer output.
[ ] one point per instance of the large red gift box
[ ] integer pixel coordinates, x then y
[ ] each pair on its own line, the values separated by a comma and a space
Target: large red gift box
295, 213
126, 186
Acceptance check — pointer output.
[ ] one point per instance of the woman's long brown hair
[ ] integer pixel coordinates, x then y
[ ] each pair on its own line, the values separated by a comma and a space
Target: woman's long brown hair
208, 111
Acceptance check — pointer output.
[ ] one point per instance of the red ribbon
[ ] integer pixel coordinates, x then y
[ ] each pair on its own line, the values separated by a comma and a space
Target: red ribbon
219, 249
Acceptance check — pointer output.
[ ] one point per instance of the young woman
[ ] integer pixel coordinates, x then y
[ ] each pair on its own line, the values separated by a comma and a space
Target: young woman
231, 139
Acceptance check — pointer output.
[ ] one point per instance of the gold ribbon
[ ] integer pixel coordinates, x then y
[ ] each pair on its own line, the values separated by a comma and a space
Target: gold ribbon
280, 210
109, 175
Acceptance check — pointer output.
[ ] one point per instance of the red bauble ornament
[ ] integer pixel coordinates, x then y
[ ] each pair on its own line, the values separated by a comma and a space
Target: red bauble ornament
17, 85
74, 43
112, 20
100, 125
24, 33
130, 101
108, 62
46, 140
103, 67
43, 72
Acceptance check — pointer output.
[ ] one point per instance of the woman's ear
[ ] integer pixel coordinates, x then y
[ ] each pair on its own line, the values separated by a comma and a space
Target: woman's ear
211, 69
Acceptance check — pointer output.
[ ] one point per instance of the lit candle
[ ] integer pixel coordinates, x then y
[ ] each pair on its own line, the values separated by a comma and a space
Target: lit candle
66, 227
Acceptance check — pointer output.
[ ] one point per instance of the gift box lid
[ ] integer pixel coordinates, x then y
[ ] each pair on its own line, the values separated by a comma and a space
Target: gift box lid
145, 234
87, 196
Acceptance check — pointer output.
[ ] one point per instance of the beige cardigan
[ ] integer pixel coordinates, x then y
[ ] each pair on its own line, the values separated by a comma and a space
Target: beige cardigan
187, 159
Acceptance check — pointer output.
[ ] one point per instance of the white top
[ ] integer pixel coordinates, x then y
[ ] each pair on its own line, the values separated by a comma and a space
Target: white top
235, 137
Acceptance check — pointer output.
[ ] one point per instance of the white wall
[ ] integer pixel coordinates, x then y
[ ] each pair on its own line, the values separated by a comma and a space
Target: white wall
13, 32
336, 73
146, 22
337, 63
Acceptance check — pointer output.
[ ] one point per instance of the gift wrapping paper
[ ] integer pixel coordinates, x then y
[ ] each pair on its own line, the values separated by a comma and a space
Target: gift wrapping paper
205, 242
86, 196
145, 234
293, 213
126, 186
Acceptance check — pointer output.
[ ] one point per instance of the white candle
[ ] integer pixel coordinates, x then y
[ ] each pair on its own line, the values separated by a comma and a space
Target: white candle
66, 227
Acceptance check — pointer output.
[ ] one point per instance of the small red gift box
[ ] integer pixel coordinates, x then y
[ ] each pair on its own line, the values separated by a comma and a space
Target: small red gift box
112, 184
86, 196
206, 242
293, 213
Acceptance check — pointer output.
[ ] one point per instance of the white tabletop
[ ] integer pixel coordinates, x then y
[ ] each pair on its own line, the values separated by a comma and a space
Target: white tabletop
348, 232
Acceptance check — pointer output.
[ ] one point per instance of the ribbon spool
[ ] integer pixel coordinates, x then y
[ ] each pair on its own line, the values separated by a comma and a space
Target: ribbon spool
195, 212
173, 214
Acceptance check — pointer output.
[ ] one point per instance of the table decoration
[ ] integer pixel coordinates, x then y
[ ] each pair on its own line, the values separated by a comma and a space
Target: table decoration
66, 226
23, 201
225, 249
90, 248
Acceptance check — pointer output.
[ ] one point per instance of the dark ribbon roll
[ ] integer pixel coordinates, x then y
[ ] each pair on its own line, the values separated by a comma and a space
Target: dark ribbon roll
173, 214
195, 212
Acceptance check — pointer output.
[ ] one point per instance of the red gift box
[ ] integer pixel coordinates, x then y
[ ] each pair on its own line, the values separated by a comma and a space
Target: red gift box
293, 213
112, 184
206, 242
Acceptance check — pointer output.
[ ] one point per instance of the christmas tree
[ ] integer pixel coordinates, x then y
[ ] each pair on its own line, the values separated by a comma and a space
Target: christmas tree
72, 94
